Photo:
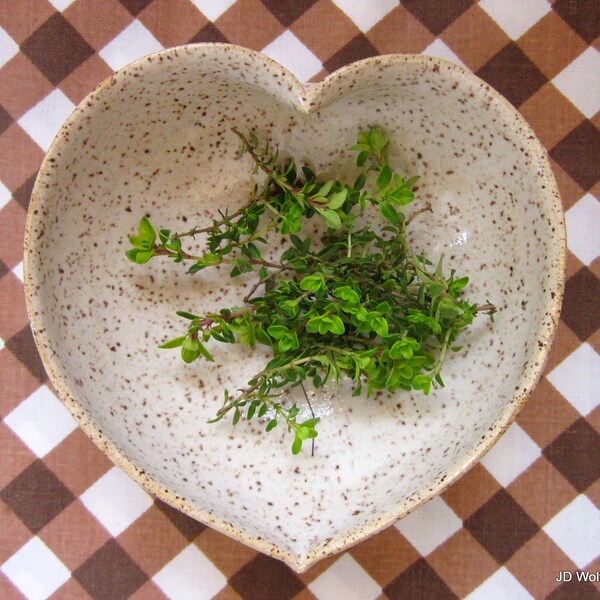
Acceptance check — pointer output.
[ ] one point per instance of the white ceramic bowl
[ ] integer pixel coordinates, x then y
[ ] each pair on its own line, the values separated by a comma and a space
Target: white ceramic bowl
155, 138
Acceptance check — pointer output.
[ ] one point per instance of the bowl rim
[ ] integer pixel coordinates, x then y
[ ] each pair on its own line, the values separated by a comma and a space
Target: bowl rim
307, 96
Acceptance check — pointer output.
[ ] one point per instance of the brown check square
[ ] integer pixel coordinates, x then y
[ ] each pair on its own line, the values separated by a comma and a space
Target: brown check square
575, 454
569, 190
577, 154
18, 382
149, 591
501, 526
172, 22
85, 78
20, 73
547, 414
581, 304
23, 194
575, 589
56, 48
471, 491
595, 269
125, 575
340, 29
357, 48
475, 37
530, 491
14, 327
152, 541
265, 577
188, 527
385, 555
400, 32
288, 11
462, 563
5, 120
12, 230
98, 21
249, 23
434, 15
537, 564
583, 16
14, 533
36, 496
551, 44
419, 581
22, 345
78, 462
70, 589
513, 74
550, 114
135, 6
21, 18
7, 590
209, 33
21, 157
228, 555
594, 420
86, 535
573, 266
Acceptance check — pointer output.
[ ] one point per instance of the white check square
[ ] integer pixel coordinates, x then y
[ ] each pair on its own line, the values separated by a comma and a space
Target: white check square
516, 16
35, 570
441, 50
116, 501
41, 421
583, 228
500, 586
8, 47
580, 82
429, 526
511, 456
576, 531
213, 9
134, 42
43, 121
577, 378
289, 51
345, 579
366, 14
5, 195
190, 576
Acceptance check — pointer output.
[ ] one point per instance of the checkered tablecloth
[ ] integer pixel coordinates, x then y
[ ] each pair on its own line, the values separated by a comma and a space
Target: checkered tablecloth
73, 526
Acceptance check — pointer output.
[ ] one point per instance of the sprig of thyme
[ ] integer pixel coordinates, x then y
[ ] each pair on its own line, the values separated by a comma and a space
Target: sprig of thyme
360, 305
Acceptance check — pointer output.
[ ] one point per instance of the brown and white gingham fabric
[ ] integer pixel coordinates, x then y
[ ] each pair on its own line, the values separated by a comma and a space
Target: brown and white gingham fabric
73, 526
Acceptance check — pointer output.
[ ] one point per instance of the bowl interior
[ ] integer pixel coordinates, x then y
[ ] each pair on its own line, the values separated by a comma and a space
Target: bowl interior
156, 139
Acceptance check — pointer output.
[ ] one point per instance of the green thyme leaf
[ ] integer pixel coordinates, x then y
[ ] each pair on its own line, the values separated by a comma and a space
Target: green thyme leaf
355, 303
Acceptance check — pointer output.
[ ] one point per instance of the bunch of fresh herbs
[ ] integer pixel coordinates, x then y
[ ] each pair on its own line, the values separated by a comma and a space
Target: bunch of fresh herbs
357, 303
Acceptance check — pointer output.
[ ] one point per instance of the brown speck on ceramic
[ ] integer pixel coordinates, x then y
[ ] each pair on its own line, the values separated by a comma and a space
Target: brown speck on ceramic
156, 139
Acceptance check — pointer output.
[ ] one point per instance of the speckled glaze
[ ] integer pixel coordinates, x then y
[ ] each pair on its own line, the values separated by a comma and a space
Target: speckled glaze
155, 138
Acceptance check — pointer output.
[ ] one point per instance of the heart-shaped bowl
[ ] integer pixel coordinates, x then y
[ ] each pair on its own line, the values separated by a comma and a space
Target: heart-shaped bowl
156, 139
